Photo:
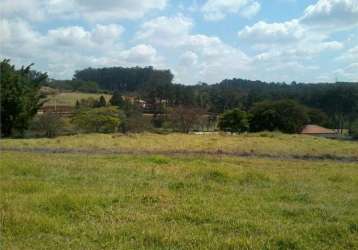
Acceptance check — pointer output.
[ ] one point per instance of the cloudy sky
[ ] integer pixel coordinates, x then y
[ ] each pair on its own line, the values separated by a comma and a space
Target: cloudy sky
199, 40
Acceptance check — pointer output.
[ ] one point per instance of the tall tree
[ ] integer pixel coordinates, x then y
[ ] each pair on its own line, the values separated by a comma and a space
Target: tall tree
20, 97
286, 115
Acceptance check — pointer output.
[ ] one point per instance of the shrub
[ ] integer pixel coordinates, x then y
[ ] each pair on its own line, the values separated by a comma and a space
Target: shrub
184, 119
316, 116
101, 102
132, 119
234, 121
99, 120
117, 99
50, 124
354, 130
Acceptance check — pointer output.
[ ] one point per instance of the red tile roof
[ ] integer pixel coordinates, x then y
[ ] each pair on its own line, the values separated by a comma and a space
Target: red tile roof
315, 129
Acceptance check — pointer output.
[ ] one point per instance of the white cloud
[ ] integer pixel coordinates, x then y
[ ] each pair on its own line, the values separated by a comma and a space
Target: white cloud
316, 24
107, 33
62, 50
287, 38
105, 10
217, 9
18, 39
262, 32
332, 14
30, 9
100, 39
350, 55
295, 48
142, 54
187, 52
349, 73
117, 9
188, 58
296, 45
251, 10
165, 31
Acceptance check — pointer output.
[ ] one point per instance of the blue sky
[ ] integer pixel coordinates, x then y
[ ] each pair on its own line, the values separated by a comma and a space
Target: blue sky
199, 40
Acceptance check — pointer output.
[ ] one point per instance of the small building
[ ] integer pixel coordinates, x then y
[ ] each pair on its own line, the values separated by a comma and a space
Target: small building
312, 129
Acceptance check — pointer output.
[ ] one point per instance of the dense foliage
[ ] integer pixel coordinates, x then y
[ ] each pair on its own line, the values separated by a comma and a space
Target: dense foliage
234, 121
354, 130
20, 97
136, 91
334, 105
99, 120
285, 115
116, 99
123, 79
184, 119
48, 124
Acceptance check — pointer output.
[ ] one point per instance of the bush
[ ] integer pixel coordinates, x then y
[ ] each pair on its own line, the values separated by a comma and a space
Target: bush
117, 99
134, 122
132, 118
234, 121
99, 120
316, 116
50, 124
184, 119
354, 130
286, 116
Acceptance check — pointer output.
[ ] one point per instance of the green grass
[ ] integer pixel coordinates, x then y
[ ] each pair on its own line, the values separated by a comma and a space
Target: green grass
66, 201
274, 144
70, 98
153, 201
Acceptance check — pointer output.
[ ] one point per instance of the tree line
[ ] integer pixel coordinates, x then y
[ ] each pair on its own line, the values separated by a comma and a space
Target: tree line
338, 101
332, 105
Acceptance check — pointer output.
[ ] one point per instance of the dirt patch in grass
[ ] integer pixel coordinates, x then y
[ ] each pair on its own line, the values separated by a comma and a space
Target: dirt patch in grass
182, 153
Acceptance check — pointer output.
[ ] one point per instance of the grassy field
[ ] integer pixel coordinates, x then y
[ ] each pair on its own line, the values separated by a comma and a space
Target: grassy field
70, 98
274, 144
151, 201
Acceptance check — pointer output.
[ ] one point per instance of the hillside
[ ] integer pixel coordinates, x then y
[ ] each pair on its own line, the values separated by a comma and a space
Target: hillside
70, 98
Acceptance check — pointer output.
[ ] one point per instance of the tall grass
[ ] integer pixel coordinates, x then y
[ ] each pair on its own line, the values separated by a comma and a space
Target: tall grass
275, 144
70, 98
64, 201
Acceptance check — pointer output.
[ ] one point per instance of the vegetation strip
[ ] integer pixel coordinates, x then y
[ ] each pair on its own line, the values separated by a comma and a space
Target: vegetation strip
183, 152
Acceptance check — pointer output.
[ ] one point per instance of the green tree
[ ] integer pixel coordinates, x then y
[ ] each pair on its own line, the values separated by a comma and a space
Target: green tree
234, 121
20, 97
133, 119
354, 130
102, 101
286, 116
341, 103
99, 120
50, 124
116, 99
317, 116
184, 118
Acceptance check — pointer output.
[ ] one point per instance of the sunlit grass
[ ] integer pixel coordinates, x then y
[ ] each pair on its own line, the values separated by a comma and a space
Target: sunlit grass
70, 98
64, 201
262, 143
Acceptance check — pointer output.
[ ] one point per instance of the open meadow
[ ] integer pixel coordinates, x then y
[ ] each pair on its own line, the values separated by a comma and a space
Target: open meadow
70, 98
176, 191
